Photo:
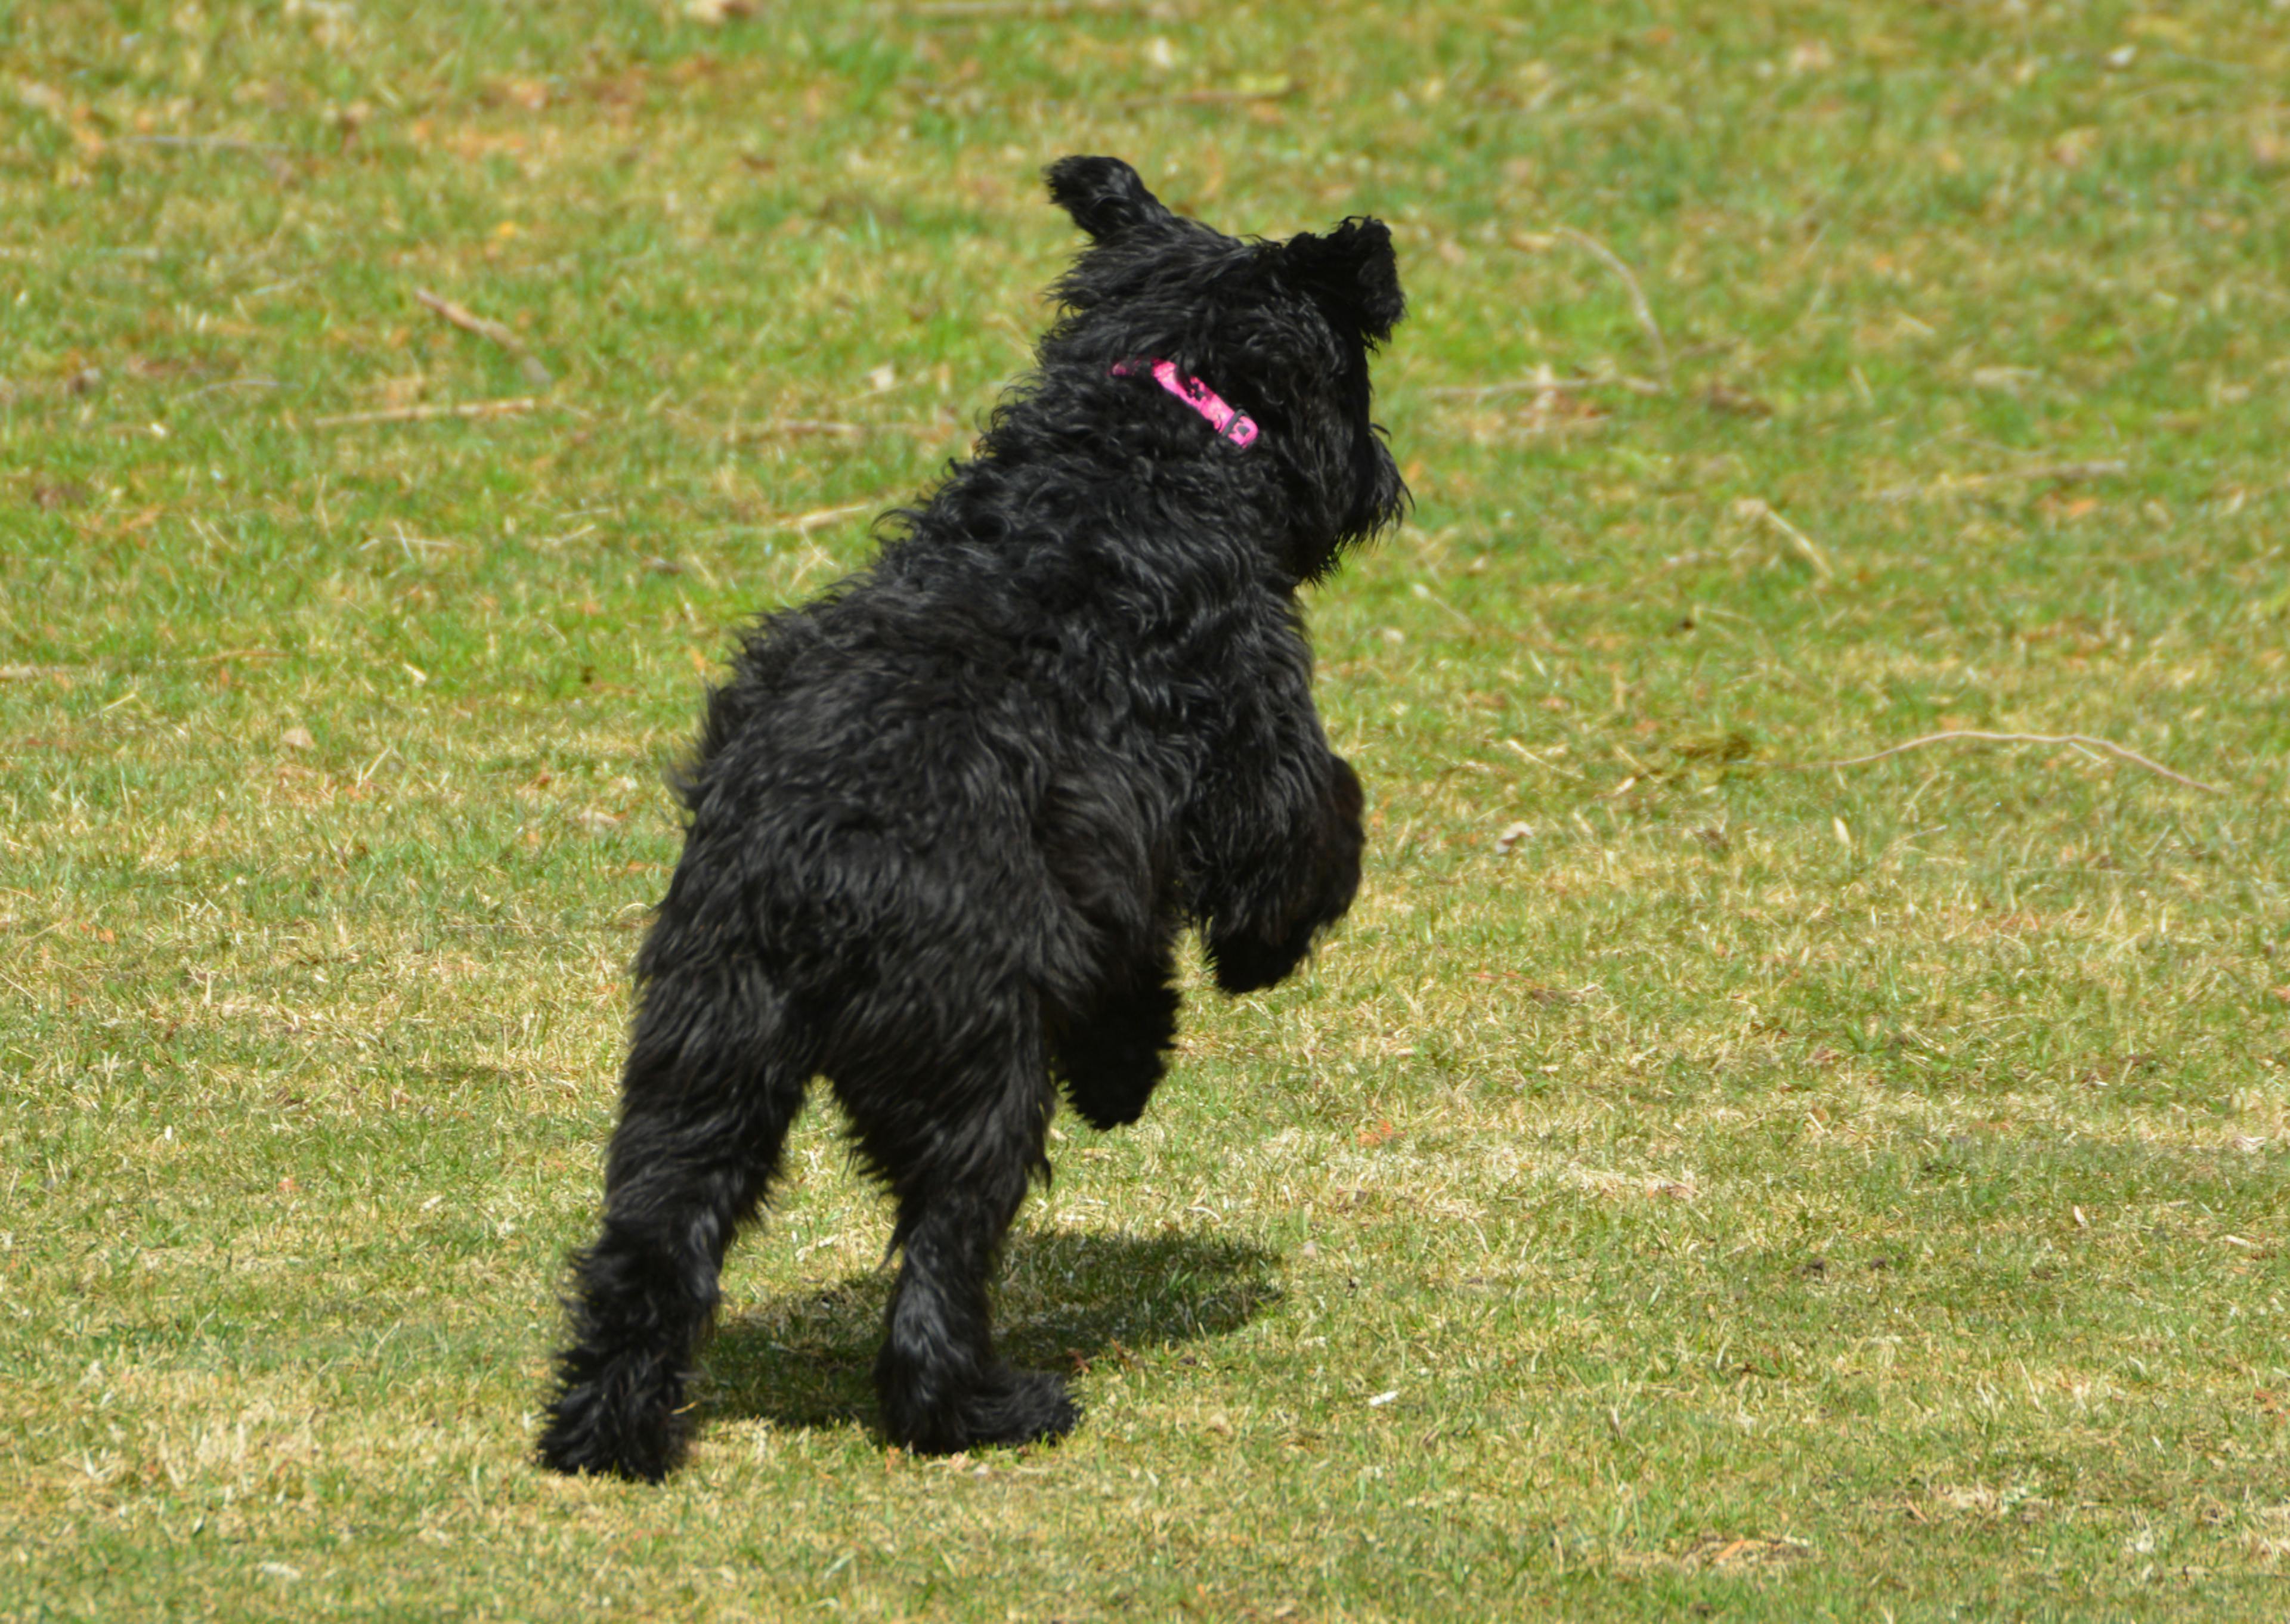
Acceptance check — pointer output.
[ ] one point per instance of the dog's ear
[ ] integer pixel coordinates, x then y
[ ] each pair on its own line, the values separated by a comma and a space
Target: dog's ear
1354, 270
1104, 196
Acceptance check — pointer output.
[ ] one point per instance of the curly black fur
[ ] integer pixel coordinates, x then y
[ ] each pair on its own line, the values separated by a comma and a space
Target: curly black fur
948, 822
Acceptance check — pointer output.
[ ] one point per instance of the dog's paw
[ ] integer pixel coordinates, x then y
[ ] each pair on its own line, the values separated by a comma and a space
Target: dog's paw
612, 1428
1105, 1113
1033, 1408
1009, 1407
1110, 1086
578, 1451
1243, 965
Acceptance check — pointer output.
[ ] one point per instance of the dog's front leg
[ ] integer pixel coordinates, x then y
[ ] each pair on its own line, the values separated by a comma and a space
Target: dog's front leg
1111, 1058
1280, 892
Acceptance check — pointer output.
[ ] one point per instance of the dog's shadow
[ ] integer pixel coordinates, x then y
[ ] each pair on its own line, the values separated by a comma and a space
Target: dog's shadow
1064, 1300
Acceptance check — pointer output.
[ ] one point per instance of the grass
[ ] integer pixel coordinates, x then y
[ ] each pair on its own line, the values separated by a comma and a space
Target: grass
1685, 1188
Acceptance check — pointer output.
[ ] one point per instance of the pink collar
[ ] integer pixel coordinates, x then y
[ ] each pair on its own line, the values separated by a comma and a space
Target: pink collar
1235, 428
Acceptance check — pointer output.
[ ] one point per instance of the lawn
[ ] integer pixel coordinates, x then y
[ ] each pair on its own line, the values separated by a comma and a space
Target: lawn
1700, 1179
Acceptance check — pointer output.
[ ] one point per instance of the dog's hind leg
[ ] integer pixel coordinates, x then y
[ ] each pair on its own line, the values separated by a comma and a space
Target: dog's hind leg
707, 1100
942, 1387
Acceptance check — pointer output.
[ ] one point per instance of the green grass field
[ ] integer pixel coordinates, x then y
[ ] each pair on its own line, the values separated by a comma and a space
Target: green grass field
1689, 1185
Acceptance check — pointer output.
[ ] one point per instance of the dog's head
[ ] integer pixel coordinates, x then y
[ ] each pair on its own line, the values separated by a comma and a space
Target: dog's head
1282, 331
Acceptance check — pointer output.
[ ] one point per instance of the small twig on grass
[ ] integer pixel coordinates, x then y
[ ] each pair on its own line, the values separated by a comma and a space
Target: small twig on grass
469, 321
1612, 261
1212, 97
804, 524
2083, 741
797, 426
1547, 766
1548, 383
219, 143
2058, 473
25, 674
955, 11
413, 414
224, 655
1751, 507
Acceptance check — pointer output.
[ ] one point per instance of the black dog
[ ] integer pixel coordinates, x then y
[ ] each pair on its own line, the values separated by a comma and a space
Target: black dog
948, 822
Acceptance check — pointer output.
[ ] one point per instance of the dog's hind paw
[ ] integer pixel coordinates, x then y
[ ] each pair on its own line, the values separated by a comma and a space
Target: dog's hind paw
1009, 1407
593, 1432
1035, 1408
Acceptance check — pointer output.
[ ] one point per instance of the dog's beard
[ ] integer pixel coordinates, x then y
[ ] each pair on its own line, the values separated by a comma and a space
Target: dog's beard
1383, 494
